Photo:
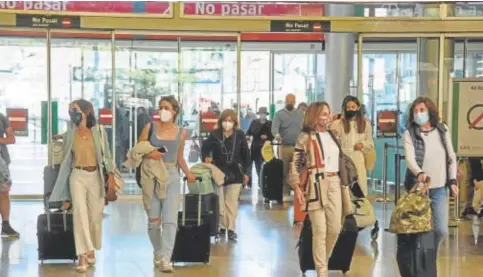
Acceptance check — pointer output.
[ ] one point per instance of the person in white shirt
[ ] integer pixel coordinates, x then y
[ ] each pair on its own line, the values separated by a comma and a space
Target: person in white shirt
429, 153
317, 153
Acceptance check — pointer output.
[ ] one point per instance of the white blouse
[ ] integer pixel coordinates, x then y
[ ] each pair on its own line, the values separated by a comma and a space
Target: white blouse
331, 152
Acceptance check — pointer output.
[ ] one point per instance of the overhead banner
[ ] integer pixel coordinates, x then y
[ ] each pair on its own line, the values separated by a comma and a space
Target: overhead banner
95, 8
467, 117
253, 10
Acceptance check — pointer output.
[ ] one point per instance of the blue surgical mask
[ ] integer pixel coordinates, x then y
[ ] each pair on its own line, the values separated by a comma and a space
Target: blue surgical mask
421, 118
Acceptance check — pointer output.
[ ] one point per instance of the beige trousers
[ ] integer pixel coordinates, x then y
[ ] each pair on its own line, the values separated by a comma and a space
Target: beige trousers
326, 226
228, 198
87, 207
286, 154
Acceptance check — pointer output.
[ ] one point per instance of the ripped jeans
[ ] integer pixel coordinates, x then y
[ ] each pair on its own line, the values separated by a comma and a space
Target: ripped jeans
163, 217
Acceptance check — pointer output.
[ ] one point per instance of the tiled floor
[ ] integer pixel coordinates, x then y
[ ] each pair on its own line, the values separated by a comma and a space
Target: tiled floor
266, 248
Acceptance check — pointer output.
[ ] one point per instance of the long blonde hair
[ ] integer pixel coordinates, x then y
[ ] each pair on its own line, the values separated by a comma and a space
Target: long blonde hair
312, 114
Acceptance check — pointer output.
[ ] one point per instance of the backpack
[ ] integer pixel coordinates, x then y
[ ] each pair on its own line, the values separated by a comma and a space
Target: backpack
138, 169
206, 185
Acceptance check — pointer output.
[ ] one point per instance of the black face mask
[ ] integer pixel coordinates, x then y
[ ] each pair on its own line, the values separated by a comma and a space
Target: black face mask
289, 107
350, 114
75, 117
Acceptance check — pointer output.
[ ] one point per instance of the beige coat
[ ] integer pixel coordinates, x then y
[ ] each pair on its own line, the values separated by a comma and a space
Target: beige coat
347, 142
152, 172
316, 191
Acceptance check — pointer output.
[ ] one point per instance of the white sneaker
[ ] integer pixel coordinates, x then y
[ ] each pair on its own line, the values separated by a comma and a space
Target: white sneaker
166, 266
157, 260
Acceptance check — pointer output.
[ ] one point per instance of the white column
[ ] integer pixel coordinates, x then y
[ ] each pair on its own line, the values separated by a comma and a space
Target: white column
339, 57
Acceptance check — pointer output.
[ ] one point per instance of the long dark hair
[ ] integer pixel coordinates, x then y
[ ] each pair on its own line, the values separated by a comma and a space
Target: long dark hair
432, 111
87, 108
360, 117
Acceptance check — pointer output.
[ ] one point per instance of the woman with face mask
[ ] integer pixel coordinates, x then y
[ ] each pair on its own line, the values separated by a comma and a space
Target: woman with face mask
81, 179
429, 153
163, 213
355, 136
260, 131
318, 152
227, 148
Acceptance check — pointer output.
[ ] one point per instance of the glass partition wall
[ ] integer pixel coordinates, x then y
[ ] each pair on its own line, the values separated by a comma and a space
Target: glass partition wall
131, 71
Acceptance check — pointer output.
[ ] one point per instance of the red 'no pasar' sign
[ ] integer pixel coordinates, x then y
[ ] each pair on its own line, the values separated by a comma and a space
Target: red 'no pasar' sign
19, 119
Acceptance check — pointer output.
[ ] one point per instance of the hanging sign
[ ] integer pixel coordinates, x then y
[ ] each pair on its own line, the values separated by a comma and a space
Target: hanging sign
305, 26
467, 117
105, 117
19, 121
96, 8
253, 10
47, 21
387, 124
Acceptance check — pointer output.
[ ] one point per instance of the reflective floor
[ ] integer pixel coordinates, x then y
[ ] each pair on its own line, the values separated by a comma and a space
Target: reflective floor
266, 247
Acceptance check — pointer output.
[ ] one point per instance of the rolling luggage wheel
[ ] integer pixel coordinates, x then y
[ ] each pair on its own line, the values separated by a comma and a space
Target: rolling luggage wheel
375, 231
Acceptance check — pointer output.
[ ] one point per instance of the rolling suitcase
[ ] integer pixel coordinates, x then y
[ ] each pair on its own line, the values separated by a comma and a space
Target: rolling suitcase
193, 241
210, 210
272, 180
55, 236
341, 257
50, 176
416, 255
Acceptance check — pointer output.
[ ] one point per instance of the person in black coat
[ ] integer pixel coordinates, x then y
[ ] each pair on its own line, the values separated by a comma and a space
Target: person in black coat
227, 148
260, 131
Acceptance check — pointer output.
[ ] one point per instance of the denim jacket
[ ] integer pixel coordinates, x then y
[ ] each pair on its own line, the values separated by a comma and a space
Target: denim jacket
61, 190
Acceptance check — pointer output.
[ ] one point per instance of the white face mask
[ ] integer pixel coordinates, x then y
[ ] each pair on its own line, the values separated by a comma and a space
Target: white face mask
227, 125
165, 116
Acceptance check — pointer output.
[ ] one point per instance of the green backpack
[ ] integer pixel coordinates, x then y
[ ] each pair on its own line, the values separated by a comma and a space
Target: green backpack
206, 184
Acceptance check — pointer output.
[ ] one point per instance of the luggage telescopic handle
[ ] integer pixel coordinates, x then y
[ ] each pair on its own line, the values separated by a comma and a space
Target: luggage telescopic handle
198, 181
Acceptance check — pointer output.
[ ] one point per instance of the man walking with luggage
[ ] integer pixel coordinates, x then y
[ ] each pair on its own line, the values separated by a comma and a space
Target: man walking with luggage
286, 126
6, 137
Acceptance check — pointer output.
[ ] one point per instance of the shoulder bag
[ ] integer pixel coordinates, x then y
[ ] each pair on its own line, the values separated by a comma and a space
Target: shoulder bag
117, 178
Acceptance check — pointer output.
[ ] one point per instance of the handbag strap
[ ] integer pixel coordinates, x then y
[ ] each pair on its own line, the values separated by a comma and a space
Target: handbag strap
101, 134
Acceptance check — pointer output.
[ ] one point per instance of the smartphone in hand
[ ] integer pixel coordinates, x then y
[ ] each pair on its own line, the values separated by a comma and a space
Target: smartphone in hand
163, 149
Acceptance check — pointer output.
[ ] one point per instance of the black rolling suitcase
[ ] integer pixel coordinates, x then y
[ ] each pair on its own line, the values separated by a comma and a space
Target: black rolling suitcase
416, 255
210, 210
193, 240
272, 179
343, 251
341, 257
55, 236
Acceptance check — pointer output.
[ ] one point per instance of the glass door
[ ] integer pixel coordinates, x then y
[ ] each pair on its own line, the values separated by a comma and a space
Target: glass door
392, 73
200, 71
297, 73
23, 87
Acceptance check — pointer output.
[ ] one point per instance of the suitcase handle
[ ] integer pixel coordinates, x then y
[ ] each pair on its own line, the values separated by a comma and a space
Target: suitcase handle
183, 218
64, 219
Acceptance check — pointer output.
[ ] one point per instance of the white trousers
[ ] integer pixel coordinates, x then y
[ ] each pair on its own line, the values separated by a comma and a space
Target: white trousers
87, 208
228, 199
